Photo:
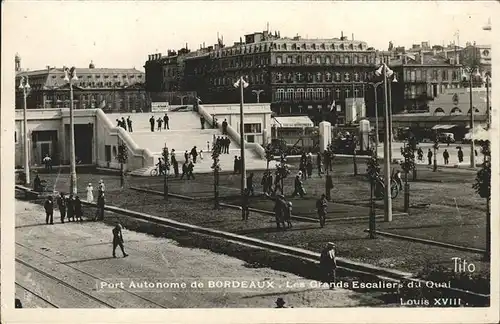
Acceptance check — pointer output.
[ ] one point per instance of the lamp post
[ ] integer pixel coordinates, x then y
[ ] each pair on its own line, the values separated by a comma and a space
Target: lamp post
241, 83
375, 85
257, 93
394, 80
25, 87
488, 108
386, 73
70, 76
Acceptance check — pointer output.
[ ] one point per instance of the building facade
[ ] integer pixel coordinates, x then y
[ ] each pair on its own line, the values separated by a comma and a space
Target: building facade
120, 90
314, 77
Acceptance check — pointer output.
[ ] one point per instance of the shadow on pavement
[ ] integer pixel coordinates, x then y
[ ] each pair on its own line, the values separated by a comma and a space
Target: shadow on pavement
80, 261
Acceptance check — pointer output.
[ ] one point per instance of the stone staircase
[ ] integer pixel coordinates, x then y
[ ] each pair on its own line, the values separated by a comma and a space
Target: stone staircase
185, 132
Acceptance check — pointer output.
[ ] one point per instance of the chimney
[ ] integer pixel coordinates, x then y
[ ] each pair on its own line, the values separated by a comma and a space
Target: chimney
48, 67
421, 57
352, 36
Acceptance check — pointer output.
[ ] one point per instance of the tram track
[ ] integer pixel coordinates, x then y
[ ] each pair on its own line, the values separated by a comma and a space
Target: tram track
45, 300
83, 272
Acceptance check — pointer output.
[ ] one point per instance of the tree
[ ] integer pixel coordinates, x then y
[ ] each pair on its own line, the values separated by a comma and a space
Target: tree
166, 161
373, 171
407, 165
482, 186
122, 158
216, 150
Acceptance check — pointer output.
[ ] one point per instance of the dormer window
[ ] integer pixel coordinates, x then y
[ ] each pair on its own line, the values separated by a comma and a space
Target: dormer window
89, 76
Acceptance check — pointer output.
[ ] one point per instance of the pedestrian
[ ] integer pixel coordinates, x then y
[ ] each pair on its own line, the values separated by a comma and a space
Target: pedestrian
264, 182
321, 207
194, 154
118, 123
129, 123
160, 167
101, 187
235, 164
61, 204
309, 165
328, 264
460, 154
228, 143
277, 183
420, 154
175, 164
201, 155
329, 187
48, 162
190, 169
78, 209
299, 188
279, 207
287, 214
159, 121
152, 123
429, 157
319, 163
186, 156
49, 210
446, 156
202, 121
184, 170
166, 120
240, 165
118, 240
37, 184
124, 123
224, 127
70, 211
100, 207
280, 303
250, 184
245, 204
90, 193
302, 165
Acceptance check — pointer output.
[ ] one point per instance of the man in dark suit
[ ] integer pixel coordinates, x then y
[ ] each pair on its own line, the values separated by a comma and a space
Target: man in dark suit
61, 204
152, 123
165, 121
118, 240
328, 264
49, 210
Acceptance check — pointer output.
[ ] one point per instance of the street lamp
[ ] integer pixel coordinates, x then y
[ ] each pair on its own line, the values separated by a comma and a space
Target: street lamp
469, 71
257, 93
241, 83
488, 108
384, 71
375, 85
25, 87
70, 76
394, 80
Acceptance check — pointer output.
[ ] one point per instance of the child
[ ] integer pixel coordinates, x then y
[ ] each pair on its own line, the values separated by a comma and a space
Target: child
201, 154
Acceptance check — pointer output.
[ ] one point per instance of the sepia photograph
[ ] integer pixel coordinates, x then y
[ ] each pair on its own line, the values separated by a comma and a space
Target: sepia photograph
249, 156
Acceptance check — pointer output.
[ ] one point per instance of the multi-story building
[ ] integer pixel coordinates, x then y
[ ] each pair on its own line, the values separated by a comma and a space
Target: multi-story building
109, 89
422, 77
298, 76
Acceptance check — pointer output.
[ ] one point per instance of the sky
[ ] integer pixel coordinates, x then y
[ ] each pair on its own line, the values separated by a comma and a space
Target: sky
122, 34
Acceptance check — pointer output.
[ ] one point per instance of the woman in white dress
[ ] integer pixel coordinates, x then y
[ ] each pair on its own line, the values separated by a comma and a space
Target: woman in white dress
90, 193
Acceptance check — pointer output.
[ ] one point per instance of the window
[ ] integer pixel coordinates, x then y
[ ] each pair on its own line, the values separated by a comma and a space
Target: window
455, 75
252, 128
289, 94
444, 75
318, 59
289, 77
308, 59
355, 59
347, 77
347, 60
337, 77
309, 77
279, 94
320, 94
328, 60
434, 75
319, 77
413, 76
356, 77
289, 59
309, 93
294, 59
300, 77
299, 94
328, 77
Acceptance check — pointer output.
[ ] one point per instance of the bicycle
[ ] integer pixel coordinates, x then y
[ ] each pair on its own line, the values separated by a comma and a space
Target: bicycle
380, 187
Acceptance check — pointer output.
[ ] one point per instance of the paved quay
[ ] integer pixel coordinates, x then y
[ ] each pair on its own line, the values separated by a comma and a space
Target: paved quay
67, 264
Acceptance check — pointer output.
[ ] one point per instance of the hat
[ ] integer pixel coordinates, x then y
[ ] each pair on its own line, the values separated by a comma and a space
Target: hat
331, 244
300, 173
289, 203
280, 301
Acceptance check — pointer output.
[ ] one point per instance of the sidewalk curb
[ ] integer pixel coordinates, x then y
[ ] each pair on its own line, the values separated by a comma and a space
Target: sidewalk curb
430, 242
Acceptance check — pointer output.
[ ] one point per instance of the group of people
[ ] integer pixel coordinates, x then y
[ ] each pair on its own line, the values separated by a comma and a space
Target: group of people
160, 121
446, 155
70, 206
125, 124
223, 143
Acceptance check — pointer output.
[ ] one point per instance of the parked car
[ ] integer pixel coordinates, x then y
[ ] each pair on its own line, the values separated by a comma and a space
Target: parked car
446, 137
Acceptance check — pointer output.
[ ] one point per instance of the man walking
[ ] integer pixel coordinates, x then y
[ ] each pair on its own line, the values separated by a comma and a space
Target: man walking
202, 121
49, 210
166, 120
446, 156
321, 206
299, 188
159, 121
124, 124
190, 169
319, 163
224, 127
250, 184
100, 207
152, 123
77, 205
70, 208
429, 157
61, 204
328, 264
173, 161
194, 153
118, 240
129, 123
460, 154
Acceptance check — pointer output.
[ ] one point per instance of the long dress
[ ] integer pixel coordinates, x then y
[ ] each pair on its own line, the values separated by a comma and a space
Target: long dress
90, 194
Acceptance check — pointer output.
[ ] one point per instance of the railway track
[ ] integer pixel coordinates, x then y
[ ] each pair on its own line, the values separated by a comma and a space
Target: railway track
38, 296
83, 272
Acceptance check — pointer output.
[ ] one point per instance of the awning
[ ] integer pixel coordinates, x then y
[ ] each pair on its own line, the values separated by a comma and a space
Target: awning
292, 121
443, 127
